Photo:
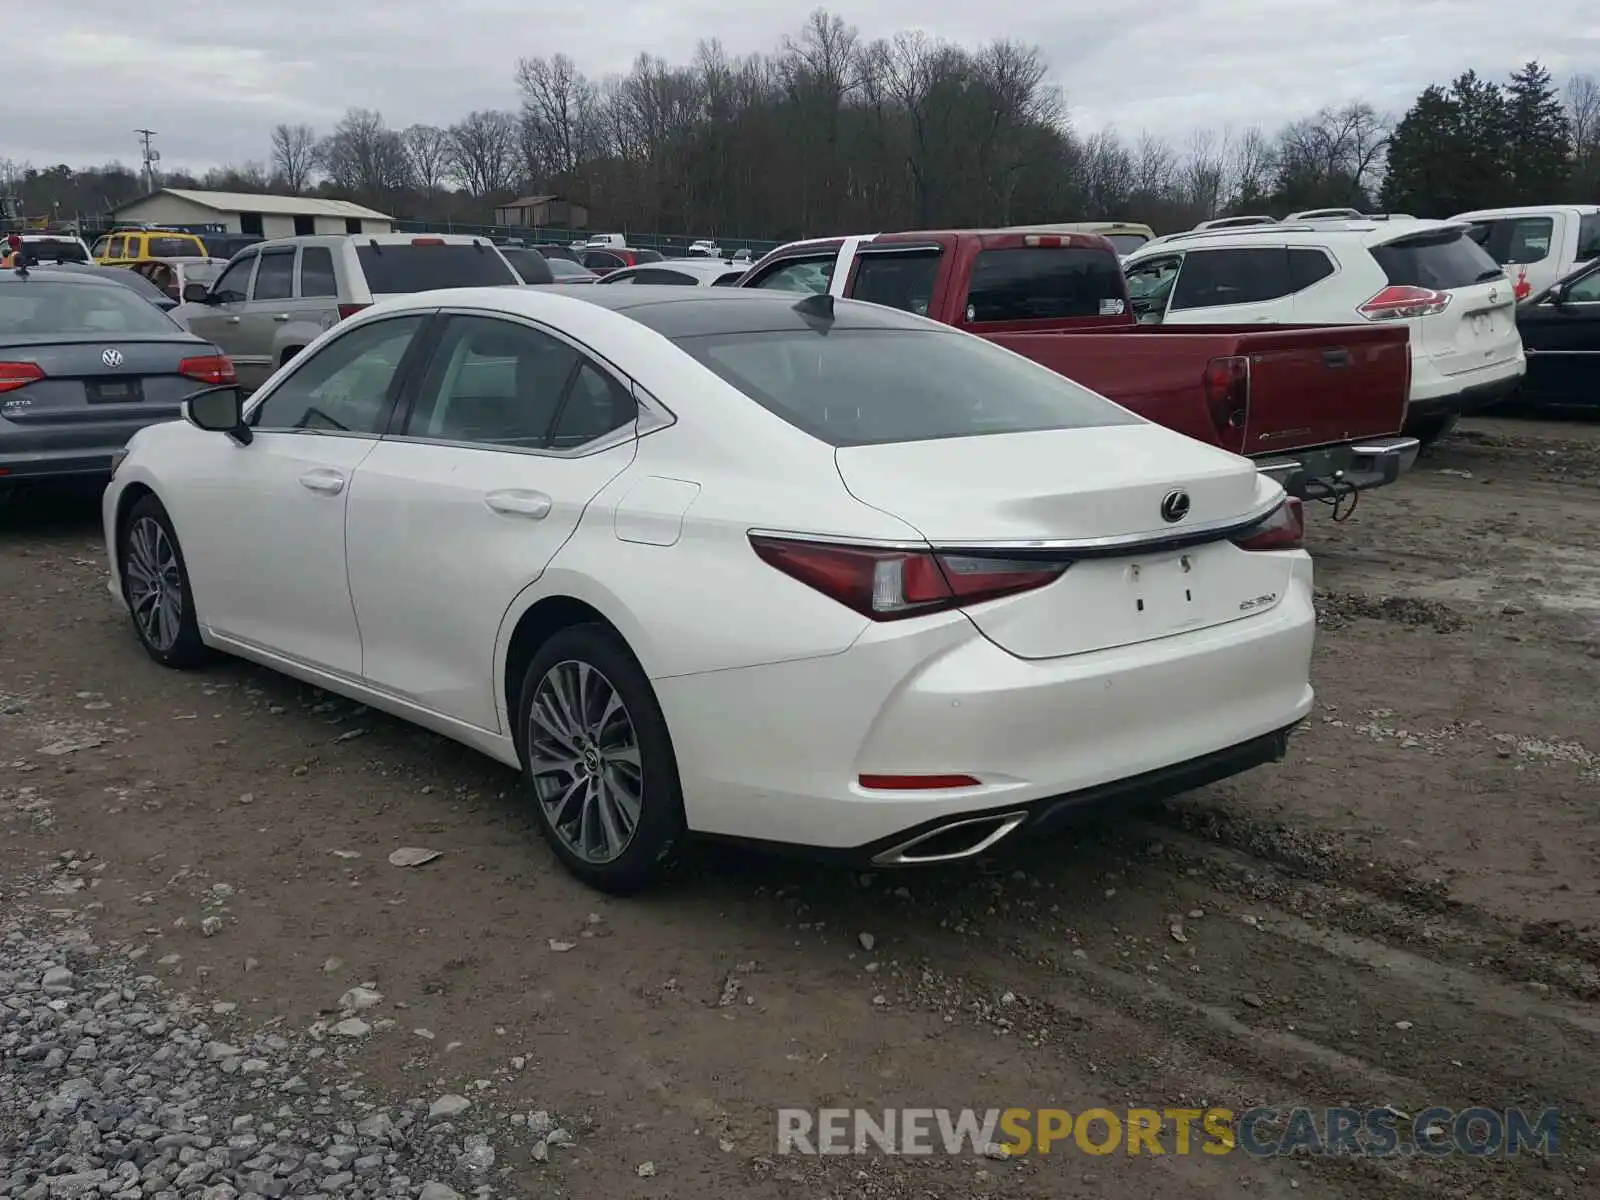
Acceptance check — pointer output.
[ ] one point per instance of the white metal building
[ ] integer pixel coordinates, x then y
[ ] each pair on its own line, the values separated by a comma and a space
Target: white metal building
243, 212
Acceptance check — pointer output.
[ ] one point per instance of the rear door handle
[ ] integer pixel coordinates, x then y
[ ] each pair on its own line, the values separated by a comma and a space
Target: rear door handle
280, 316
329, 483
514, 502
1336, 358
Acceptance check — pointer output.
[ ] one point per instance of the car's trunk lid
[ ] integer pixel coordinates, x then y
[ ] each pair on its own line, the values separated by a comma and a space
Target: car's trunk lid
1478, 328
99, 378
1093, 497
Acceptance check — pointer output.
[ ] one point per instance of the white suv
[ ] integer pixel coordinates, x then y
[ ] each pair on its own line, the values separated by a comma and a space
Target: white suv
1466, 353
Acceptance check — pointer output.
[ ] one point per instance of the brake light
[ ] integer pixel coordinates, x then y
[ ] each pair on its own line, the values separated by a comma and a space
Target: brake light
14, 375
888, 584
215, 369
427, 241
1400, 303
1227, 383
1285, 529
1047, 240
349, 310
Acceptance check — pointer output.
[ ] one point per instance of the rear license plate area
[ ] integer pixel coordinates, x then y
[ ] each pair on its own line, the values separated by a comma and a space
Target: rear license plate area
114, 391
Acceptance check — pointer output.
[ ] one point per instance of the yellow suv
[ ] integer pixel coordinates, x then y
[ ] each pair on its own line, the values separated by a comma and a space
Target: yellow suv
124, 247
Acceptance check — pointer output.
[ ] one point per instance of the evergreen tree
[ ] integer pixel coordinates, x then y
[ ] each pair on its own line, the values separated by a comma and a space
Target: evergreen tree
1447, 154
1538, 148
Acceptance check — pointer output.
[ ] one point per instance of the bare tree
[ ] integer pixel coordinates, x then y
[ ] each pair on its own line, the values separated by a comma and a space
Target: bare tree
427, 150
1583, 110
364, 157
483, 152
557, 104
294, 155
1203, 171
1251, 161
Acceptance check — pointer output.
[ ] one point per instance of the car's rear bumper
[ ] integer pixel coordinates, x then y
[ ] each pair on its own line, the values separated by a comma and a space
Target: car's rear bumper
774, 753
1464, 402
1331, 471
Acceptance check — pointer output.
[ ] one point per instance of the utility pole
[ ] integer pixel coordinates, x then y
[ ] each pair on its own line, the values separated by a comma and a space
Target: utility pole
151, 158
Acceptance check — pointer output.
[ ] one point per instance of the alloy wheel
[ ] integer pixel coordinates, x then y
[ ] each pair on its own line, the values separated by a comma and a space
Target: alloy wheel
583, 758
155, 584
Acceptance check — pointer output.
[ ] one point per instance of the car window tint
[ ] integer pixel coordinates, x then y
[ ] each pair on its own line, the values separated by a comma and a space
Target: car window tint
618, 278
728, 280
1307, 267
1045, 283
601, 259
492, 382
595, 405
901, 280
1589, 237
1150, 285
646, 256
661, 275
344, 386
1444, 260
115, 248
857, 387
42, 307
275, 276
234, 283
1218, 278
424, 265
1586, 290
798, 275
316, 272
1527, 240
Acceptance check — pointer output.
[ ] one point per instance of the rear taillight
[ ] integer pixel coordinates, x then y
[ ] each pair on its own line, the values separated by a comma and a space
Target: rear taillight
215, 369
888, 584
1046, 240
1400, 303
916, 783
427, 241
14, 375
1285, 529
347, 311
1227, 381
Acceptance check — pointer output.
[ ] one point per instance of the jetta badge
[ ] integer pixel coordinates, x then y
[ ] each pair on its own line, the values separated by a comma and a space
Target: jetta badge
111, 358
1175, 506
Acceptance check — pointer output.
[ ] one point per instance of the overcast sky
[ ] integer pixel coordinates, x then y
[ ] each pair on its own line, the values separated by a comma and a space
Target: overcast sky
213, 76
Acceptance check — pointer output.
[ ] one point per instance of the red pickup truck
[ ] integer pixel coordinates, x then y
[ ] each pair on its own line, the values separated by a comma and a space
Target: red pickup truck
1319, 408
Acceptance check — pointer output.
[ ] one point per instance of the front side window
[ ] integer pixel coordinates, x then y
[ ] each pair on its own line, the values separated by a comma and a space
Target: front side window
116, 248
275, 276
1219, 278
1585, 290
861, 387
234, 283
346, 386
1589, 237
1150, 287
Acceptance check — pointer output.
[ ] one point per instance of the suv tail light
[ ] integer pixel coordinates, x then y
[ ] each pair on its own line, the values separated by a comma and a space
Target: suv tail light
14, 375
215, 369
1227, 381
1285, 529
1401, 302
888, 584
349, 310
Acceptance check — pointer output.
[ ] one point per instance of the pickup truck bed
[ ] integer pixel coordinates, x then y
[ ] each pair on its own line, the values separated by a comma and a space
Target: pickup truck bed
1320, 408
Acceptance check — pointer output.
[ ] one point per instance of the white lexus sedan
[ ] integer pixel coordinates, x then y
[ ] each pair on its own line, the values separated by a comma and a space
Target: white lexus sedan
720, 562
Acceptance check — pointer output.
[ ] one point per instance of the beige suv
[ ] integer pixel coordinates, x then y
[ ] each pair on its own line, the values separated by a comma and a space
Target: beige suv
275, 297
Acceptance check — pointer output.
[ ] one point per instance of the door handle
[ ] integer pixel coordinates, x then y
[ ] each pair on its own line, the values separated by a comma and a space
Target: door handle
280, 316
1336, 358
329, 483
514, 502
233, 320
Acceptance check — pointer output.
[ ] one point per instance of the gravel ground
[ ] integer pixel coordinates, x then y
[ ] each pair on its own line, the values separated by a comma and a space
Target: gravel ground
216, 984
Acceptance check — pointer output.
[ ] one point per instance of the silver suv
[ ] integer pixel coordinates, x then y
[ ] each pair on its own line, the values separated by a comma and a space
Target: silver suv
275, 297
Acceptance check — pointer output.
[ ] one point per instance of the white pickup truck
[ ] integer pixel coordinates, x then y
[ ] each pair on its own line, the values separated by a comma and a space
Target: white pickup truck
1537, 244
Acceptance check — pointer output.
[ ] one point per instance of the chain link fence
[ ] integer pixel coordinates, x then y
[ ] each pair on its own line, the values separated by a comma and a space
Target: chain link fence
667, 245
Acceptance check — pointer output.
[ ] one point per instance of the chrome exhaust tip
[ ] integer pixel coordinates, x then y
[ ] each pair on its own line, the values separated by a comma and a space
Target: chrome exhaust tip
952, 841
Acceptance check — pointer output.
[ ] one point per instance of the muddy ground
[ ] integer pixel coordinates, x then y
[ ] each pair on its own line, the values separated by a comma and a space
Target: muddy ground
1406, 912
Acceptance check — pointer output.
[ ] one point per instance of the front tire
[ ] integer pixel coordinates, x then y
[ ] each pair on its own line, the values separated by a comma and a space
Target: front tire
599, 761
155, 584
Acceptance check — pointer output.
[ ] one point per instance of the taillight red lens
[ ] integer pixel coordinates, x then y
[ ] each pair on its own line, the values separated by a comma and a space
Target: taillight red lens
215, 369
350, 310
14, 375
888, 584
916, 783
1285, 529
426, 241
1400, 303
1227, 384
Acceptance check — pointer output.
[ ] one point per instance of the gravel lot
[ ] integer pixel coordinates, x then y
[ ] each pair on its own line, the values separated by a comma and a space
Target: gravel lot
213, 982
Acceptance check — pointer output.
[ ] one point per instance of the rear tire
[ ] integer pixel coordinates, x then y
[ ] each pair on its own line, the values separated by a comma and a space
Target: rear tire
1429, 430
599, 761
155, 584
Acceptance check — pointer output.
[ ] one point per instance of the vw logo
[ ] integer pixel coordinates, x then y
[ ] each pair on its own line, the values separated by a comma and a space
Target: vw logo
1175, 506
111, 358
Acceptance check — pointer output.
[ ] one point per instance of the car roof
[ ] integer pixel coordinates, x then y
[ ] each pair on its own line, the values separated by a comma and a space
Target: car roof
1295, 233
1527, 210
382, 239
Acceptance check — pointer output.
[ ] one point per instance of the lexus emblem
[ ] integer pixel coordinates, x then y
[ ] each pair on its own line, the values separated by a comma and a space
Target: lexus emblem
111, 358
1175, 506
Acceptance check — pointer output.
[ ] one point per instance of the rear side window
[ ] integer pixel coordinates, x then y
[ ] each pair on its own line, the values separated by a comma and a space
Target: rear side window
1589, 237
392, 268
1219, 278
172, 247
901, 280
316, 272
865, 387
1307, 267
1436, 260
647, 256
1045, 283
602, 260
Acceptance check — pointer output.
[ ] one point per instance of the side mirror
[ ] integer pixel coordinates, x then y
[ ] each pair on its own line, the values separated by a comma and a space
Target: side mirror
219, 409
1558, 295
196, 293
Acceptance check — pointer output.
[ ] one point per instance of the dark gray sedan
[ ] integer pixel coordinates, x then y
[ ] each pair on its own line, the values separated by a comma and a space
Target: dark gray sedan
84, 364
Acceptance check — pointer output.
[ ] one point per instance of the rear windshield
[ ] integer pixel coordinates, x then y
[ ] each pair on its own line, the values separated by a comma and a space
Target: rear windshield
646, 256
393, 268
55, 250
171, 247
869, 387
565, 268
1437, 260
38, 307
529, 264
1126, 243
1045, 283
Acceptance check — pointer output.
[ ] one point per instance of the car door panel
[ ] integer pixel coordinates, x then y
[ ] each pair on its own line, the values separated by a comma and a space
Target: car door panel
220, 323
271, 296
456, 515
1562, 343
